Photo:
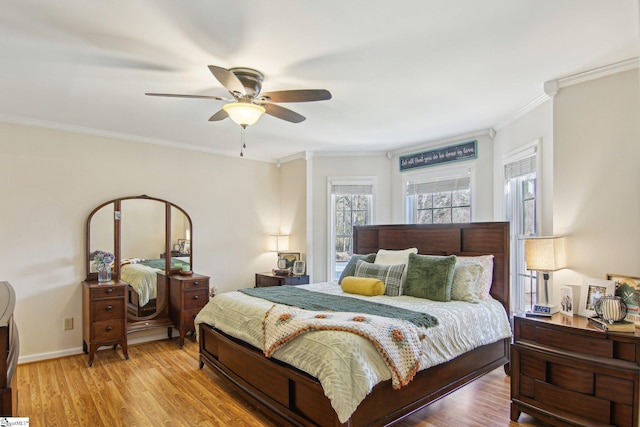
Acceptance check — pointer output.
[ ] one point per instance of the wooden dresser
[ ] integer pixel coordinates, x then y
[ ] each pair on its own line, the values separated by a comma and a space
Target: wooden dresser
566, 372
10, 344
104, 316
187, 295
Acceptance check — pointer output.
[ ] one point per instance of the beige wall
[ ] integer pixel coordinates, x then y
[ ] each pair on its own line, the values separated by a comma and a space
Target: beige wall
293, 207
596, 200
51, 180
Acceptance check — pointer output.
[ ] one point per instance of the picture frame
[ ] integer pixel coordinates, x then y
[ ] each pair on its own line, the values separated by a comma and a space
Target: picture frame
591, 291
628, 289
287, 259
567, 300
185, 246
298, 268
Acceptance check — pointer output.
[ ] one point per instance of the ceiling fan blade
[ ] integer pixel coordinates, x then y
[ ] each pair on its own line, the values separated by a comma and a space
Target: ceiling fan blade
300, 95
173, 95
220, 115
227, 79
283, 113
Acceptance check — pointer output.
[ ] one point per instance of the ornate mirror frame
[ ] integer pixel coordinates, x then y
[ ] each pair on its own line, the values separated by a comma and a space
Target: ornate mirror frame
107, 218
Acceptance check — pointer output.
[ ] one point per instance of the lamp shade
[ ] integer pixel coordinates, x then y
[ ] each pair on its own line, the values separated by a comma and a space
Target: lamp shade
279, 242
244, 113
545, 253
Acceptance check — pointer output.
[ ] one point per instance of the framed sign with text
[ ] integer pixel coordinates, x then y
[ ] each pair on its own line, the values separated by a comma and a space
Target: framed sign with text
438, 156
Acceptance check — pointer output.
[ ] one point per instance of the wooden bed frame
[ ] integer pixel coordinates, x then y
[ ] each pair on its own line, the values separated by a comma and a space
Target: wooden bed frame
292, 397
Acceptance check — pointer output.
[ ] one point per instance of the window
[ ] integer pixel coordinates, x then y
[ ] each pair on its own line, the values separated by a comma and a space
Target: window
351, 203
432, 199
521, 195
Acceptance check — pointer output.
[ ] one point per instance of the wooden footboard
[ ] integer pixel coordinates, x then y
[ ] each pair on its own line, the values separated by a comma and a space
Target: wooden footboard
293, 397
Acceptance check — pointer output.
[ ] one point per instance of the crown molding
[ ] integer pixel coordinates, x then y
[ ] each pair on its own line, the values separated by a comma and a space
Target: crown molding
23, 121
596, 73
490, 132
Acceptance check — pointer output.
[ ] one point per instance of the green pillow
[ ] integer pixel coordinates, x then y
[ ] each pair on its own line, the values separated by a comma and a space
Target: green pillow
430, 277
350, 269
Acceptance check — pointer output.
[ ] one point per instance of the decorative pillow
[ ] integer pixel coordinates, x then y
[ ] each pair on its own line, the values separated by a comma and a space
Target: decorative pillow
390, 275
389, 257
393, 257
486, 279
430, 277
465, 280
350, 268
363, 286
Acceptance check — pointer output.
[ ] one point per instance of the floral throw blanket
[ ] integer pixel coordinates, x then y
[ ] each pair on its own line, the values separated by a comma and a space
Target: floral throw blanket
398, 341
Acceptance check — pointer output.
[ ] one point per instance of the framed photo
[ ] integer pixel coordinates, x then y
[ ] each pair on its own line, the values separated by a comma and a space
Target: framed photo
287, 259
592, 290
627, 288
298, 268
566, 300
185, 246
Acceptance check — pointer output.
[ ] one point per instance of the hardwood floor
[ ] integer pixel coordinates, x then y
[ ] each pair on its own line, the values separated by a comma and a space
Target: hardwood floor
162, 385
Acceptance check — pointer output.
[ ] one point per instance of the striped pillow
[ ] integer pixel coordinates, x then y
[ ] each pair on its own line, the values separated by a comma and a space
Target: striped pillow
390, 275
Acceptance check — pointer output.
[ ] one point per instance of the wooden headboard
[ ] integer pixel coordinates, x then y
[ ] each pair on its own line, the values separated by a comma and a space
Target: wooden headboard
470, 239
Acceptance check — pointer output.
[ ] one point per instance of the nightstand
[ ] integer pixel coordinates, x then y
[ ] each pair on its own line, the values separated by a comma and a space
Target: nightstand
566, 372
269, 279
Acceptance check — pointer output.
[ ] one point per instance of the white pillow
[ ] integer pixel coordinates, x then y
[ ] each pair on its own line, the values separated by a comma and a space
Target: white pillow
389, 257
393, 257
486, 279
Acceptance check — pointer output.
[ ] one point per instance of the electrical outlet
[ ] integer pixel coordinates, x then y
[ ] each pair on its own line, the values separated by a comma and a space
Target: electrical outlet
68, 323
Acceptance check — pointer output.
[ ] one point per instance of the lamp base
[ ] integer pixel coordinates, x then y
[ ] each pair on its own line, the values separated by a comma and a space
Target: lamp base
543, 310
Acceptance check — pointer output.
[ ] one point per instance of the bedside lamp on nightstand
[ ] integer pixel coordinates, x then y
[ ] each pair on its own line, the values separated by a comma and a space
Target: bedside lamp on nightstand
544, 254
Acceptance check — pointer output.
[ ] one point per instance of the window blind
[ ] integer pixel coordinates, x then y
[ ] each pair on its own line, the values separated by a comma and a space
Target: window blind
352, 189
438, 186
520, 167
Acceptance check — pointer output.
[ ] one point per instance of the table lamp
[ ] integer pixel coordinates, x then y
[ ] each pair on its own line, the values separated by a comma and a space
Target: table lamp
544, 254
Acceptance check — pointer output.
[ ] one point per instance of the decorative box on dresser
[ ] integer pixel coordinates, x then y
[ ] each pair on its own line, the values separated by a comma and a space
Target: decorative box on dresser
270, 279
187, 295
104, 316
10, 345
566, 372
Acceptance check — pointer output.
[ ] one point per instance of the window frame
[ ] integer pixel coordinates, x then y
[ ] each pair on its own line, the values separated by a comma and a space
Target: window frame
331, 225
439, 173
517, 263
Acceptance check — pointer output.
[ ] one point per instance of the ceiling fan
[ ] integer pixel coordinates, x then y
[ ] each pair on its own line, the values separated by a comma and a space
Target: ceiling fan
248, 104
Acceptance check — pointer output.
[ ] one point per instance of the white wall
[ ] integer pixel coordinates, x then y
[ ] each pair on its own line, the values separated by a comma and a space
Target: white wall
51, 180
597, 177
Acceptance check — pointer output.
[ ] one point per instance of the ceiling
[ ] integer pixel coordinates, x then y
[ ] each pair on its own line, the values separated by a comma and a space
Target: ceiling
402, 73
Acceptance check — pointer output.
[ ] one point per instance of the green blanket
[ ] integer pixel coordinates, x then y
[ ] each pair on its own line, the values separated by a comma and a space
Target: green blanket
316, 301
161, 263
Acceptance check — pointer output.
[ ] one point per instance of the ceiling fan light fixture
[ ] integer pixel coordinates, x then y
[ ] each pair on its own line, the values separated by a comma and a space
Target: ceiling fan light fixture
244, 113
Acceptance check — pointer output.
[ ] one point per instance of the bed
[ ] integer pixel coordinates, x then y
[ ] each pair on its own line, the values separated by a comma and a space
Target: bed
292, 396
142, 277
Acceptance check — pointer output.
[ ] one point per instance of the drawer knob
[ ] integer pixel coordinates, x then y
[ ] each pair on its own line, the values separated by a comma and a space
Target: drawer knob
109, 328
109, 290
196, 297
108, 307
196, 283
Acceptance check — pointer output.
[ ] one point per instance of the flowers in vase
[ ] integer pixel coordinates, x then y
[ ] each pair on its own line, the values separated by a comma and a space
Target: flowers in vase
101, 258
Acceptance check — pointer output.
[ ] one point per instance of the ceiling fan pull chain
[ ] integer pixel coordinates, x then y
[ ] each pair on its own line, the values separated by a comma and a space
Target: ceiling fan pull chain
242, 143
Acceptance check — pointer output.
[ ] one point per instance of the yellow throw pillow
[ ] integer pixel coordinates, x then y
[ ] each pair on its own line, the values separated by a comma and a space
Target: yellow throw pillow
363, 286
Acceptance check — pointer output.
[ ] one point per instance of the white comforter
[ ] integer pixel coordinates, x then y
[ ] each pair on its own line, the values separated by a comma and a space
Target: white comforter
347, 365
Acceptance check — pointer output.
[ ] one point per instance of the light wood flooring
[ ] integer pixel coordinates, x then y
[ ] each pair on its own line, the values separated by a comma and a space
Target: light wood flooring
162, 385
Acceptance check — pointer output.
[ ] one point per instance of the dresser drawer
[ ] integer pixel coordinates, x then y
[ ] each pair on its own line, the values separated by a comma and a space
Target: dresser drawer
106, 291
108, 330
196, 299
201, 283
108, 308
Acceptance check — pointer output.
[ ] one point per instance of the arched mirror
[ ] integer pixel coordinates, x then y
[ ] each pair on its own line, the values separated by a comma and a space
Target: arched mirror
147, 236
